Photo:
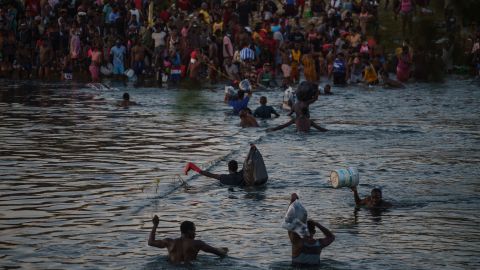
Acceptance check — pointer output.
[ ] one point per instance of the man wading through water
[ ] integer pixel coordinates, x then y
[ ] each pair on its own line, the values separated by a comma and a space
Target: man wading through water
185, 248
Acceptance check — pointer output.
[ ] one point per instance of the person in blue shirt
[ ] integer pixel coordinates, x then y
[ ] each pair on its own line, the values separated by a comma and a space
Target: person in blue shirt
339, 70
240, 102
118, 52
264, 111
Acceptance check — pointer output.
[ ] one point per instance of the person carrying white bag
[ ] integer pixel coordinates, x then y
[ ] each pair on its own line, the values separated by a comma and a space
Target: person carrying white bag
301, 230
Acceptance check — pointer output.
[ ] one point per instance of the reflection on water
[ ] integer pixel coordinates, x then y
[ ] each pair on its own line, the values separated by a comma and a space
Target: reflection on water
81, 178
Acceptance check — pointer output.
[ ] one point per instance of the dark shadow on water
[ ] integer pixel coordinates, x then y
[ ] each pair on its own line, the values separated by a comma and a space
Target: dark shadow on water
326, 264
203, 262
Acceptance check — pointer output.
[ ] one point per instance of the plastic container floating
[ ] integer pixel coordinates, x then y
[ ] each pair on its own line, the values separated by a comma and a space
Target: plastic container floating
345, 177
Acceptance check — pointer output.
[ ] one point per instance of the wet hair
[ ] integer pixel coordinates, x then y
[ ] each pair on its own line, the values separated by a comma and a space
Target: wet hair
377, 190
232, 165
311, 227
187, 226
263, 100
126, 96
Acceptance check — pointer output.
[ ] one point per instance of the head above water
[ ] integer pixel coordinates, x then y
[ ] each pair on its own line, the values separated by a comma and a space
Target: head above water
376, 196
263, 100
232, 166
187, 228
327, 89
126, 96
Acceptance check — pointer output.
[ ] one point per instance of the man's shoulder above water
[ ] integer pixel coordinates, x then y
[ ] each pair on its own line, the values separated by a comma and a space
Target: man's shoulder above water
232, 179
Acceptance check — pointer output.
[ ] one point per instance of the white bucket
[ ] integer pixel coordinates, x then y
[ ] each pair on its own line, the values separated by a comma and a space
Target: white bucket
245, 85
345, 177
130, 73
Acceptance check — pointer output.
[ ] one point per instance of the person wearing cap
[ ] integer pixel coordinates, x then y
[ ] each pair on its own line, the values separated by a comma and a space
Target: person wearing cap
194, 65
306, 251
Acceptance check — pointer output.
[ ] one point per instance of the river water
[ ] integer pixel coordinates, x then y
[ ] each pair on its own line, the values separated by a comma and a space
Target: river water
81, 178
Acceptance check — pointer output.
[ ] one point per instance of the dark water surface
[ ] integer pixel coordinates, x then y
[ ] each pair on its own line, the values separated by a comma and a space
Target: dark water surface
82, 178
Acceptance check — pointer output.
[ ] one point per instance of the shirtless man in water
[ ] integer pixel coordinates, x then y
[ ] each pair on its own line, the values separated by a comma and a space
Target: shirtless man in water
373, 201
247, 119
302, 119
185, 248
138, 58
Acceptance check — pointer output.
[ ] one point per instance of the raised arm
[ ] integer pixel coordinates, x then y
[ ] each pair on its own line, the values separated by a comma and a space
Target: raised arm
358, 201
282, 126
329, 237
318, 127
151, 240
192, 166
221, 252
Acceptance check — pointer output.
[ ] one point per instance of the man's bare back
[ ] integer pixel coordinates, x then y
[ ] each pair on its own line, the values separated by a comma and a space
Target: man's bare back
185, 248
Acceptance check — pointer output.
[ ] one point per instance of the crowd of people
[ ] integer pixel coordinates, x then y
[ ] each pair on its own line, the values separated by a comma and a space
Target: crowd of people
264, 41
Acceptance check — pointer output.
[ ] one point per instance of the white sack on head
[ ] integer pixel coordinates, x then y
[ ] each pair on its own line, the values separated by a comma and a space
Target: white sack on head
296, 219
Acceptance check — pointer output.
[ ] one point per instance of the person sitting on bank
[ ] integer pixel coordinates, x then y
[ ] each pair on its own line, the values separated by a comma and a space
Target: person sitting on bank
306, 251
264, 111
185, 248
233, 178
389, 83
247, 119
126, 101
370, 75
373, 201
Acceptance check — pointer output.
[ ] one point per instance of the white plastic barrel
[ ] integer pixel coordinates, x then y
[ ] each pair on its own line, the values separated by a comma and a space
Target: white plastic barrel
345, 177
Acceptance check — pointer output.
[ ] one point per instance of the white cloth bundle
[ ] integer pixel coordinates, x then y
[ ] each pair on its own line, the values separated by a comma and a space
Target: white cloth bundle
296, 219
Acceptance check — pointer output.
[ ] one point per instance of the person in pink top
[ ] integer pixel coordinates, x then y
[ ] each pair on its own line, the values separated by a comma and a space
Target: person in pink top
403, 66
407, 8
95, 56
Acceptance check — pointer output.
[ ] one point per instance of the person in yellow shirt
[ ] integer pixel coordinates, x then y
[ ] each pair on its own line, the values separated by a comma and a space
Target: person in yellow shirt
203, 10
309, 70
296, 56
370, 75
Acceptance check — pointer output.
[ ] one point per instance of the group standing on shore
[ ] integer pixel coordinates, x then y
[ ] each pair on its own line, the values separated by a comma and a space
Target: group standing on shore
172, 40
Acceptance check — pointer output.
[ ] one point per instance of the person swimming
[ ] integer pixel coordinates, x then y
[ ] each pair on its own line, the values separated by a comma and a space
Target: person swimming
126, 101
